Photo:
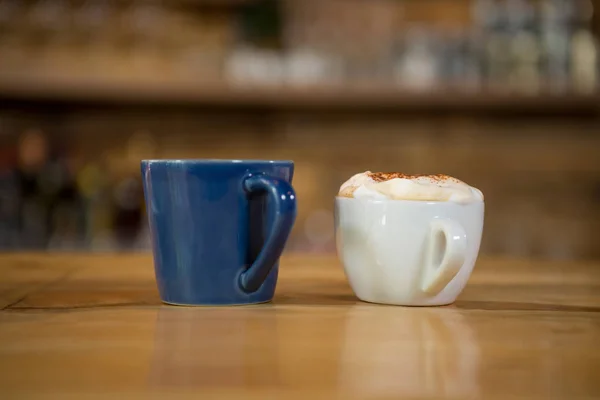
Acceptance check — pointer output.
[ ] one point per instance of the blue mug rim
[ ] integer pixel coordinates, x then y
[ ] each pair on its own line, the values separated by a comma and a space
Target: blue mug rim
214, 161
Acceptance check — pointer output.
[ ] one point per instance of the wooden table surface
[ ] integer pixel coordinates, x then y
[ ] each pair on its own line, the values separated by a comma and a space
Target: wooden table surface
77, 326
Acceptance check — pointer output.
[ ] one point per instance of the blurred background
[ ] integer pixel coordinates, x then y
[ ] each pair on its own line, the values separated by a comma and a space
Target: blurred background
501, 94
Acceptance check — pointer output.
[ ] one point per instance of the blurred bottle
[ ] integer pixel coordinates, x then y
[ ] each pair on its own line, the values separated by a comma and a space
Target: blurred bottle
128, 218
584, 49
128, 210
487, 14
419, 67
92, 183
256, 58
525, 48
473, 64
584, 61
554, 35
67, 223
48, 204
9, 201
35, 196
491, 20
460, 64
249, 65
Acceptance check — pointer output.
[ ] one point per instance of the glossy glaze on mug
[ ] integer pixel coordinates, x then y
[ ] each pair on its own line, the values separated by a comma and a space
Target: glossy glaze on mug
383, 243
207, 229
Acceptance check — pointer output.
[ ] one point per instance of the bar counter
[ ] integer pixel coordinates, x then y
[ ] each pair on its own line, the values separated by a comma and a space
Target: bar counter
78, 326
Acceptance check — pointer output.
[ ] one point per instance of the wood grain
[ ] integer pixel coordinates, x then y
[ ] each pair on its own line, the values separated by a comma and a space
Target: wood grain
92, 326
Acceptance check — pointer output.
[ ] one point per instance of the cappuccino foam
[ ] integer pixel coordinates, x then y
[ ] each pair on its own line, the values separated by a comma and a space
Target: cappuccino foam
398, 186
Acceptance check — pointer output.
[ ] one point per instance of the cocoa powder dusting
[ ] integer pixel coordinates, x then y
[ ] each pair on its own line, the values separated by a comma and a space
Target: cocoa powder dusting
386, 176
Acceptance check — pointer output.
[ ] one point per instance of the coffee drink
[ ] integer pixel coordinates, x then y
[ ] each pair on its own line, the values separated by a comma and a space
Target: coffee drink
398, 186
408, 239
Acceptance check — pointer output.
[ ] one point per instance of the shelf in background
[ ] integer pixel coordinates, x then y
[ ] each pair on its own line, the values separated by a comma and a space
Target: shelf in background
123, 93
212, 3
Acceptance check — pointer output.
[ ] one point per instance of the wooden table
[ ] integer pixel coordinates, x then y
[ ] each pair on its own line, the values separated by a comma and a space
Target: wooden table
78, 326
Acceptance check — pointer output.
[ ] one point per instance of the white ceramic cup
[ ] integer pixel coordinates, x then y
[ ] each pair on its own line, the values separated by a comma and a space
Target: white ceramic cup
413, 253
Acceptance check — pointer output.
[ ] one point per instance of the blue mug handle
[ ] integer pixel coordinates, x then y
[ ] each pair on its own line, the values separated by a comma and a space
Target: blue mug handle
283, 197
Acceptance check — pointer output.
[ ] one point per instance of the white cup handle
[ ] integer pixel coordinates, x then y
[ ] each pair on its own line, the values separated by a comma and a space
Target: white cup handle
445, 255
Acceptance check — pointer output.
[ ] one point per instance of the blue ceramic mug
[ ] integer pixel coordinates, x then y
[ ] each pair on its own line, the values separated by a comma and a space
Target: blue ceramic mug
218, 228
